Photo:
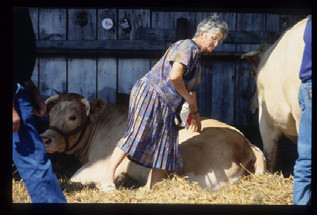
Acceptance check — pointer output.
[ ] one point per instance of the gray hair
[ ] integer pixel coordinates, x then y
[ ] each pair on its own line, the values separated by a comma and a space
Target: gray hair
213, 22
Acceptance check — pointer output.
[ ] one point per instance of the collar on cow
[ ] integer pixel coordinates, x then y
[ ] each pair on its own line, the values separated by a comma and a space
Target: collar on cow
82, 128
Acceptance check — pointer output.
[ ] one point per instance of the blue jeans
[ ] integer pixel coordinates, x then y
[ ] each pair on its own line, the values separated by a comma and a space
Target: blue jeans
30, 157
302, 168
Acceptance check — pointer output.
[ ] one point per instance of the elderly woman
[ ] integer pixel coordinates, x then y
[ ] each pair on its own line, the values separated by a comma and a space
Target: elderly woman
151, 137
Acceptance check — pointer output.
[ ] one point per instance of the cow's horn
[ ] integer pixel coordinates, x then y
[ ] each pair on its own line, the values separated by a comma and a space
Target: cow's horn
87, 104
51, 99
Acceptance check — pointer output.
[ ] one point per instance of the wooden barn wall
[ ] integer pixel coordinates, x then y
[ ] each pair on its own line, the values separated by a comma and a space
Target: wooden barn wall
227, 84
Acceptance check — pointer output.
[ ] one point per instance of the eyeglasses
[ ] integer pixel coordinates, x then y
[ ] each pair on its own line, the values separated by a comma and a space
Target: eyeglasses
214, 38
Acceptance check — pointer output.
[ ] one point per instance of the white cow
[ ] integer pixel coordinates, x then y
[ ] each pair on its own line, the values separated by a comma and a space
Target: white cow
90, 131
277, 79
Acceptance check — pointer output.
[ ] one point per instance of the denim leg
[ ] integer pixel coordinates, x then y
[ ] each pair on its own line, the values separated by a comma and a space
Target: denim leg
302, 168
30, 157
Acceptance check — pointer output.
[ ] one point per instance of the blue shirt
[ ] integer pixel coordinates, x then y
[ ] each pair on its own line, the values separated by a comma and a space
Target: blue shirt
305, 72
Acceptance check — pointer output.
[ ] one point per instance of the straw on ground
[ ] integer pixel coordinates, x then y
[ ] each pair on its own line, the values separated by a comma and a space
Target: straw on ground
269, 189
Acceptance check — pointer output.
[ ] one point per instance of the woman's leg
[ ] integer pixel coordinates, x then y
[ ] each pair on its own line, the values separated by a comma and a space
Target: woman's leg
117, 156
156, 176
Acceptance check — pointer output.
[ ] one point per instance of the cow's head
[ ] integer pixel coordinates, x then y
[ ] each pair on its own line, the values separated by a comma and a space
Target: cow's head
70, 116
254, 57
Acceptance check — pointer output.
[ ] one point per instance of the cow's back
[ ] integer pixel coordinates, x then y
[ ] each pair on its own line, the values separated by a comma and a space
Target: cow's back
278, 79
213, 157
108, 130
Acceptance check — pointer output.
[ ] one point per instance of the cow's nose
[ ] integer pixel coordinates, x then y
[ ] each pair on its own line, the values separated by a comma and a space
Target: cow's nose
47, 140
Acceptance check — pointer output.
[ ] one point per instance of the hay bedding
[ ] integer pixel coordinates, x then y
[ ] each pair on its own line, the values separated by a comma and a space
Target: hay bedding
269, 189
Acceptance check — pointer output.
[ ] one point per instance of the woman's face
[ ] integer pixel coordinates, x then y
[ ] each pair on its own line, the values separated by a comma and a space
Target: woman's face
210, 40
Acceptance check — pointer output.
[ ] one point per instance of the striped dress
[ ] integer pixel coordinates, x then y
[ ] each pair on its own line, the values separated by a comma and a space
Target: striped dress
151, 137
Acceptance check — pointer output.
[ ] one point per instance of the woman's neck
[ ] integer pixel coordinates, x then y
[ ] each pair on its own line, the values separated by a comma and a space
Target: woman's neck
196, 40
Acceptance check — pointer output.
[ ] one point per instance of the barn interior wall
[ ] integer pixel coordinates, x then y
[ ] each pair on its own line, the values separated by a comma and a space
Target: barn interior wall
227, 84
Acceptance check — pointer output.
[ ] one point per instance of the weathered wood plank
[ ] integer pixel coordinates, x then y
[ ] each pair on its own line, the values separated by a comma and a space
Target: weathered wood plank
34, 12
272, 22
191, 20
225, 47
229, 18
163, 20
250, 37
82, 77
155, 34
200, 16
103, 45
246, 47
82, 24
223, 91
107, 79
130, 20
287, 21
129, 71
107, 24
52, 76
250, 22
244, 90
204, 93
52, 24
233, 37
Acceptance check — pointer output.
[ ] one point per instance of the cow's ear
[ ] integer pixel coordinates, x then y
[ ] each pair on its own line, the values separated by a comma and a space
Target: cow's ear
96, 107
51, 102
254, 56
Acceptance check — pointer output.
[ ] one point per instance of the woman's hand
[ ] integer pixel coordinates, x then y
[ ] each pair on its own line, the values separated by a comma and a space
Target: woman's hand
176, 77
40, 103
195, 124
40, 110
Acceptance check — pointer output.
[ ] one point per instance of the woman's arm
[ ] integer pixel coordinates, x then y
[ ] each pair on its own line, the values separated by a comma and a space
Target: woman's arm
39, 101
176, 77
195, 124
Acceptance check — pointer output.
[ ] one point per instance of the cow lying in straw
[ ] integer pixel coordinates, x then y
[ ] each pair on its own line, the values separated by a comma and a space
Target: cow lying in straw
218, 155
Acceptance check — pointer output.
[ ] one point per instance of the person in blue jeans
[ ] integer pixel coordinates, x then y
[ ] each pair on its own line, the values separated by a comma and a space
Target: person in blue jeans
302, 168
28, 151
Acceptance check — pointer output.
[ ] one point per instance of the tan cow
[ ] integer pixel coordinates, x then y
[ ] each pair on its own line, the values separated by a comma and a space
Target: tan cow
277, 79
212, 158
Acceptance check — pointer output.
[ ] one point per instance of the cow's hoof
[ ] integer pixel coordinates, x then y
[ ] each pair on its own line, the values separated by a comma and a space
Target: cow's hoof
107, 188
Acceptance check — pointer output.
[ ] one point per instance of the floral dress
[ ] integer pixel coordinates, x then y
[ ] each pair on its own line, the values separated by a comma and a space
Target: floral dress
151, 137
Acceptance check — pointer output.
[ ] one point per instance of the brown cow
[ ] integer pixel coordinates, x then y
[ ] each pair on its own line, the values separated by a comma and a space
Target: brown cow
211, 158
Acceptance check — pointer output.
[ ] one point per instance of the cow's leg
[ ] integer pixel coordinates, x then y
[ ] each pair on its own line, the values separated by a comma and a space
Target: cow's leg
117, 157
270, 136
93, 171
296, 118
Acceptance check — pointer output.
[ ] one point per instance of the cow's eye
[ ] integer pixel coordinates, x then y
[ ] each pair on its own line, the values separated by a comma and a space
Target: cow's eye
72, 118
